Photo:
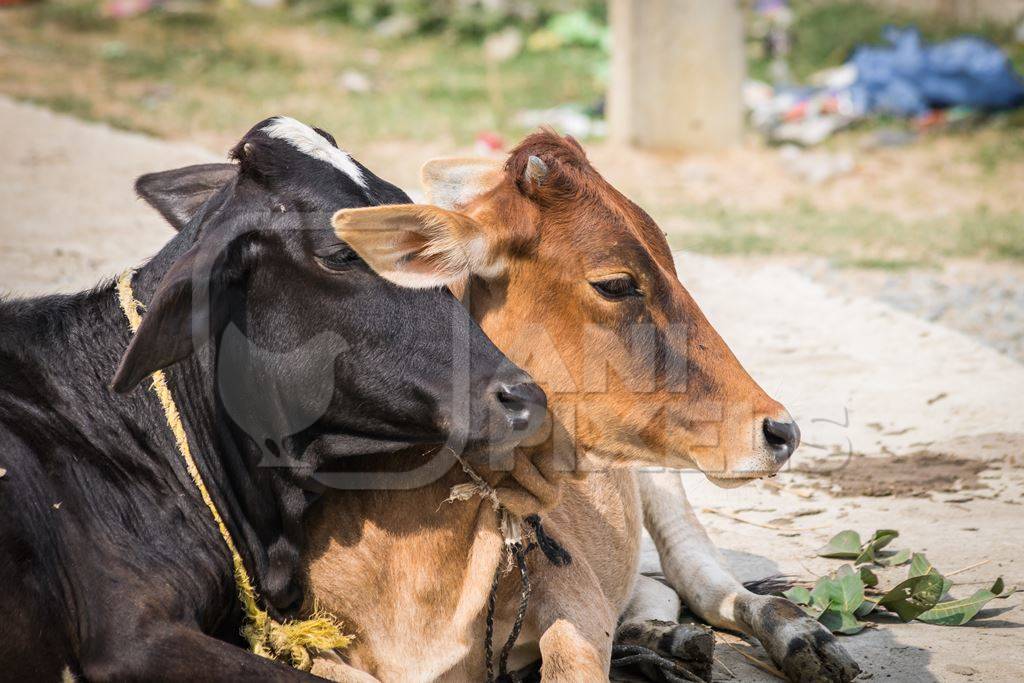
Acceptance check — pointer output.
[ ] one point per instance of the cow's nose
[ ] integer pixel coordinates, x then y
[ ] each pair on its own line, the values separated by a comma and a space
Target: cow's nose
522, 402
782, 436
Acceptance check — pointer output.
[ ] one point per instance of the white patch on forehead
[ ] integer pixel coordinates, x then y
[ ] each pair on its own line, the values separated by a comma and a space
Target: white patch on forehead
308, 141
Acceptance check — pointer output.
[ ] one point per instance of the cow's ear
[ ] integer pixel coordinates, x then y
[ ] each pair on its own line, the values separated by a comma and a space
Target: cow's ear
454, 183
179, 194
175, 322
419, 246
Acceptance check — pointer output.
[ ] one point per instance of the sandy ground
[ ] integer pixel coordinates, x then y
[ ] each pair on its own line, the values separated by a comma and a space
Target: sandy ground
889, 403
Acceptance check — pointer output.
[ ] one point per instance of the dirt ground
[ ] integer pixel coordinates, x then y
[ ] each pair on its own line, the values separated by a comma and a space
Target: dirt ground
908, 424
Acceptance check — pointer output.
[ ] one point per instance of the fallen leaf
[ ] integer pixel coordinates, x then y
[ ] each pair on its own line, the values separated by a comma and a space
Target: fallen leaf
894, 560
878, 540
843, 546
959, 612
913, 597
868, 577
846, 592
798, 595
920, 566
866, 608
841, 622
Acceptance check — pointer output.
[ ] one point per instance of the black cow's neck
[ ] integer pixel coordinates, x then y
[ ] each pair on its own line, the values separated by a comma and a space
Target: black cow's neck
261, 494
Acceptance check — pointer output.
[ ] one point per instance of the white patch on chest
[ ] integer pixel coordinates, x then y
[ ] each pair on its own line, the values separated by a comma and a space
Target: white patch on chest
308, 141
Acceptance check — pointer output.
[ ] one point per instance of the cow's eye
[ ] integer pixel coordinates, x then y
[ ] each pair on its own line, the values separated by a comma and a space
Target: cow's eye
340, 258
617, 287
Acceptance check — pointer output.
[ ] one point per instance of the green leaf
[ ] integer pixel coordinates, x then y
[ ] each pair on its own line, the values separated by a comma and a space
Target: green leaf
841, 622
920, 566
798, 595
868, 577
821, 593
959, 612
834, 599
914, 597
846, 593
894, 560
843, 546
866, 608
878, 540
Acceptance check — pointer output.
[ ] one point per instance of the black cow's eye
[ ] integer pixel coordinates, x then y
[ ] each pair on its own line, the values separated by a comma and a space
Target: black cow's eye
338, 259
615, 288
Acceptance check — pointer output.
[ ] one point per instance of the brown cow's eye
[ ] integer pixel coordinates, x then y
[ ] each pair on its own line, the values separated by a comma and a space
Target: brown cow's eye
338, 259
615, 288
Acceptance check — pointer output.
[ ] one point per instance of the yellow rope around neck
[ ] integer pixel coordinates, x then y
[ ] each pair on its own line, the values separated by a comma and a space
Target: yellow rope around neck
292, 641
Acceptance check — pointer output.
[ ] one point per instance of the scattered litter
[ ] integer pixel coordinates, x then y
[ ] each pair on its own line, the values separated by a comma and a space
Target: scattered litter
815, 168
126, 9
504, 45
961, 669
570, 119
773, 527
934, 85
3, 472
890, 137
354, 81
488, 144
777, 487
910, 78
759, 663
396, 26
56, 506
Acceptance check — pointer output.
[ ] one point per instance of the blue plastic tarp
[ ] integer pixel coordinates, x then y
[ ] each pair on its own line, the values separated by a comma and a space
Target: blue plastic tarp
908, 77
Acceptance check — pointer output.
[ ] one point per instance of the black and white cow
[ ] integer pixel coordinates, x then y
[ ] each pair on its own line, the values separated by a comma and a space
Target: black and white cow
281, 347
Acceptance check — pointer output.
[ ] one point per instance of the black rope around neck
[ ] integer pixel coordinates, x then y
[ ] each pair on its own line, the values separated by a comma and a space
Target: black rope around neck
556, 555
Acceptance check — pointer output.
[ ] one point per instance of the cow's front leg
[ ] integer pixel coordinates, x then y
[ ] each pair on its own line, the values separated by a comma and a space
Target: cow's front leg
650, 620
332, 667
176, 652
575, 620
799, 645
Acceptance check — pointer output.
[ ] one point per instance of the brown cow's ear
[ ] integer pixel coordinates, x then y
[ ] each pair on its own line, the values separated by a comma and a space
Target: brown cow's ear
418, 246
179, 194
454, 183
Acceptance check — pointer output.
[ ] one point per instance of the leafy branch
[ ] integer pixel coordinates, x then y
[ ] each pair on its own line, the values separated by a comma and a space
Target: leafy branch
845, 596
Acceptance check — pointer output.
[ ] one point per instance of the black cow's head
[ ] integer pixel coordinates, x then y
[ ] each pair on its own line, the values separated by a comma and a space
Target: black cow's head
309, 345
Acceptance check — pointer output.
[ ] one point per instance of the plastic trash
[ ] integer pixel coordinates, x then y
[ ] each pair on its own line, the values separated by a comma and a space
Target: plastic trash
909, 78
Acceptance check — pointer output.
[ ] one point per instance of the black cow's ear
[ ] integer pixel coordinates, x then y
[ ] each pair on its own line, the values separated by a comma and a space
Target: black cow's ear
174, 320
179, 194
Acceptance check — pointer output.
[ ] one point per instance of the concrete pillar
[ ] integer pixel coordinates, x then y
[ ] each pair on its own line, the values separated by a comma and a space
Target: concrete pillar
677, 74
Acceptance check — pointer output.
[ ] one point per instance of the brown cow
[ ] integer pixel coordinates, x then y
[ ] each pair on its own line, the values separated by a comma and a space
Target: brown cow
580, 290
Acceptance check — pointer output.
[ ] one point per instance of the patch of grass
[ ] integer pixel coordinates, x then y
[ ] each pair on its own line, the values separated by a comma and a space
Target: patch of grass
857, 238
66, 103
219, 71
984, 233
73, 15
991, 154
879, 263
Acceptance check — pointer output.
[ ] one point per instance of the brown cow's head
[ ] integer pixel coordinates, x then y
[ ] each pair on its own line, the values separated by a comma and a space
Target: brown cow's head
580, 288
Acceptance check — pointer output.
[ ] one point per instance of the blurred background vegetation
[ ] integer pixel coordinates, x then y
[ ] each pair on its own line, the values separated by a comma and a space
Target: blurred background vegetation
398, 81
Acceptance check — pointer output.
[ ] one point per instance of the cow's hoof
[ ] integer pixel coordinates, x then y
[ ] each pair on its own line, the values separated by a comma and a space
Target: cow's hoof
800, 646
693, 645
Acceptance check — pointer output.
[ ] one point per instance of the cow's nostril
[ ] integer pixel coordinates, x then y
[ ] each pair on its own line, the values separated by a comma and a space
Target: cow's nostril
782, 438
521, 401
